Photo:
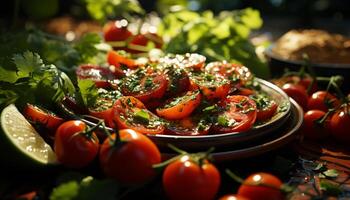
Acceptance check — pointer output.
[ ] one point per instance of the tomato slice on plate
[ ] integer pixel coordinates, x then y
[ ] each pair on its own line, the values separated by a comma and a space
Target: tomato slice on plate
42, 116
129, 112
118, 59
187, 126
211, 86
178, 80
100, 75
266, 107
239, 114
145, 85
180, 107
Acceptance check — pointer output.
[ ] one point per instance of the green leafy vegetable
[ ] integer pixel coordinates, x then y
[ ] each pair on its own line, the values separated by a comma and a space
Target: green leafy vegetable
221, 37
330, 188
88, 92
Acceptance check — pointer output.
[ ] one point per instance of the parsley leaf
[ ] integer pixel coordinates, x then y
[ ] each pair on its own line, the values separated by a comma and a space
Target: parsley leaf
88, 92
26, 63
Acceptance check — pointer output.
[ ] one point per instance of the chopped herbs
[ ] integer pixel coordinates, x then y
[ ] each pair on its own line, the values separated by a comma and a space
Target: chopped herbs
142, 116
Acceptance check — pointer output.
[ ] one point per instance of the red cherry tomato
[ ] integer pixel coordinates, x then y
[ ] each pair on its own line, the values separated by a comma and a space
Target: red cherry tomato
253, 187
311, 128
340, 124
212, 86
180, 107
187, 126
322, 100
129, 112
100, 75
297, 92
145, 86
116, 31
73, 147
239, 114
42, 116
131, 161
233, 197
184, 179
297, 80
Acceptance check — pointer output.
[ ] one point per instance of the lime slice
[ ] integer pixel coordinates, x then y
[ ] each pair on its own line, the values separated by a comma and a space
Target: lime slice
20, 136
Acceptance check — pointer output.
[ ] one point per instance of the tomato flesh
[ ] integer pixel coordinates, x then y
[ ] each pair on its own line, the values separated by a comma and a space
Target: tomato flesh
212, 86
187, 126
46, 118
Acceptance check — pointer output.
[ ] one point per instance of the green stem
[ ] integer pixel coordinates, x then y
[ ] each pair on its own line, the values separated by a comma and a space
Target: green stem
177, 150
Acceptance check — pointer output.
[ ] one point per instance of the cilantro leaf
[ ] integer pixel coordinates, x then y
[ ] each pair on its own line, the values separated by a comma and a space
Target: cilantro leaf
8, 75
88, 92
26, 63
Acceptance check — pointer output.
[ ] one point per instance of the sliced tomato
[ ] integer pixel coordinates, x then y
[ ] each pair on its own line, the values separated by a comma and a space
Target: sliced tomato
189, 61
116, 31
100, 75
178, 80
129, 112
239, 114
244, 91
180, 107
212, 86
266, 107
145, 85
42, 116
236, 73
187, 126
140, 42
118, 60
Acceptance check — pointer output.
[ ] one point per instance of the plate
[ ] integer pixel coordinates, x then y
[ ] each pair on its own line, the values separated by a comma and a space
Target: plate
205, 141
277, 139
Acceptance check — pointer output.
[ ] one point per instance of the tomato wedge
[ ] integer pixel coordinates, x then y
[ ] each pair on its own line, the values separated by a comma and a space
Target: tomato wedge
211, 86
239, 114
100, 75
266, 107
42, 116
178, 80
145, 85
180, 107
118, 60
187, 126
129, 112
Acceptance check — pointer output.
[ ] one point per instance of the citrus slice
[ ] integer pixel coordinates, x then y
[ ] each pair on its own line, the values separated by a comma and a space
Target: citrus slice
24, 145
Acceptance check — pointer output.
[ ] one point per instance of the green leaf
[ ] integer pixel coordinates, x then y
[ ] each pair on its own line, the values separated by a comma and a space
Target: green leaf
330, 173
66, 191
8, 75
88, 92
86, 46
26, 63
330, 188
223, 121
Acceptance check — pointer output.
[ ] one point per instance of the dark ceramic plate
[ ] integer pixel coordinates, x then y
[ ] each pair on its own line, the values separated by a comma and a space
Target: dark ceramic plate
228, 139
275, 140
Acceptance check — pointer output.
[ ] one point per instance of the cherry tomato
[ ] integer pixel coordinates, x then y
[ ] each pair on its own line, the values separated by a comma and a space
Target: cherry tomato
42, 116
187, 126
212, 86
180, 107
117, 59
74, 147
189, 61
237, 73
185, 179
253, 187
322, 100
233, 197
304, 81
129, 162
129, 112
239, 114
100, 75
311, 128
266, 107
297, 92
117, 31
145, 86
340, 124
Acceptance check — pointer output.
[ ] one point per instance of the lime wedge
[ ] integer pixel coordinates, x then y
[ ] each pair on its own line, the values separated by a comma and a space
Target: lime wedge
24, 142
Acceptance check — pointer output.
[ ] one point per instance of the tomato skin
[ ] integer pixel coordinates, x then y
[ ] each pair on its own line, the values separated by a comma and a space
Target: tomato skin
106, 115
217, 88
266, 113
38, 115
186, 126
311, 129
184, 179
116, 59
130, 162
74, 149
116, 31
233, 197
252, 192
182, 109
142, 40
317, 101
100, 75
297, 92
340, 124
237, 113
121, 110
